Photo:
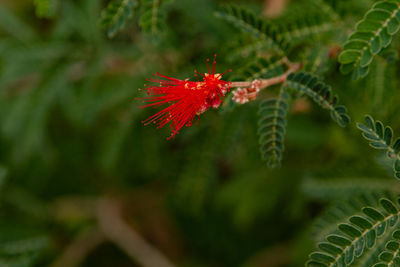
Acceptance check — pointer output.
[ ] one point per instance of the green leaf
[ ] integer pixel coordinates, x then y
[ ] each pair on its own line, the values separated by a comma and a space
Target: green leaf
389, 256
370, 238
115, 15
331, 249
314, 87
360, 222
389, 206
373, 214
321, 257
392, 245
397, 165
338, 240
396, 146
315, 264
349, 230
345, 249
349, 56
381, 137
153, 17
257, 26
271, 129
373, 33
388, 135
396, 234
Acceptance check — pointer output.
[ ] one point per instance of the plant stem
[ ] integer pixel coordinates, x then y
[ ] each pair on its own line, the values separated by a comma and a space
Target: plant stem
76, 252
123, 235
271, 81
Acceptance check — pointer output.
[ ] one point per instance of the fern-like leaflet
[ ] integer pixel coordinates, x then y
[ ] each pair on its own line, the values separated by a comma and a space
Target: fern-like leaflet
347, 204
318, 20
262, 68
391, 255
357, 236
258, 27
152, 17
307, 27
281, 35
245, 46
115, 15
272, 128
373, 33
321, 93
381, 137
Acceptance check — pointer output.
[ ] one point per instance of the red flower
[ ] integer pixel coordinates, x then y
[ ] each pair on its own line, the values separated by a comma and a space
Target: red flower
185, 99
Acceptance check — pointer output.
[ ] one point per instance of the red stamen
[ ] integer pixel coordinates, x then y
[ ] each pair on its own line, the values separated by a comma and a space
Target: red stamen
184, 99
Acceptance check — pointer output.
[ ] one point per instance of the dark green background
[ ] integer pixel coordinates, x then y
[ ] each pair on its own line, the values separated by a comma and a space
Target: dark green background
71, 132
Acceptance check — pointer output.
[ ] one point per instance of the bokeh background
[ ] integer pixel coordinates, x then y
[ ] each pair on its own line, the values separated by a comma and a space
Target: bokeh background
84, 183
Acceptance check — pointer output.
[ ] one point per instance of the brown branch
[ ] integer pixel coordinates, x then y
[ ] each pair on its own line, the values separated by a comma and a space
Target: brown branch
248, 91
271, 81
123, 235
76, 252
273, 8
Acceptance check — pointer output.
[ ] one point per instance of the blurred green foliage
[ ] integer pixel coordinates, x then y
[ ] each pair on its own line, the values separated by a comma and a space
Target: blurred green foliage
71, 134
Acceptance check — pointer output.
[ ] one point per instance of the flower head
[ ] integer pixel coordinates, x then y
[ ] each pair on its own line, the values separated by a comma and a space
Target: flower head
240, 95
184, 99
